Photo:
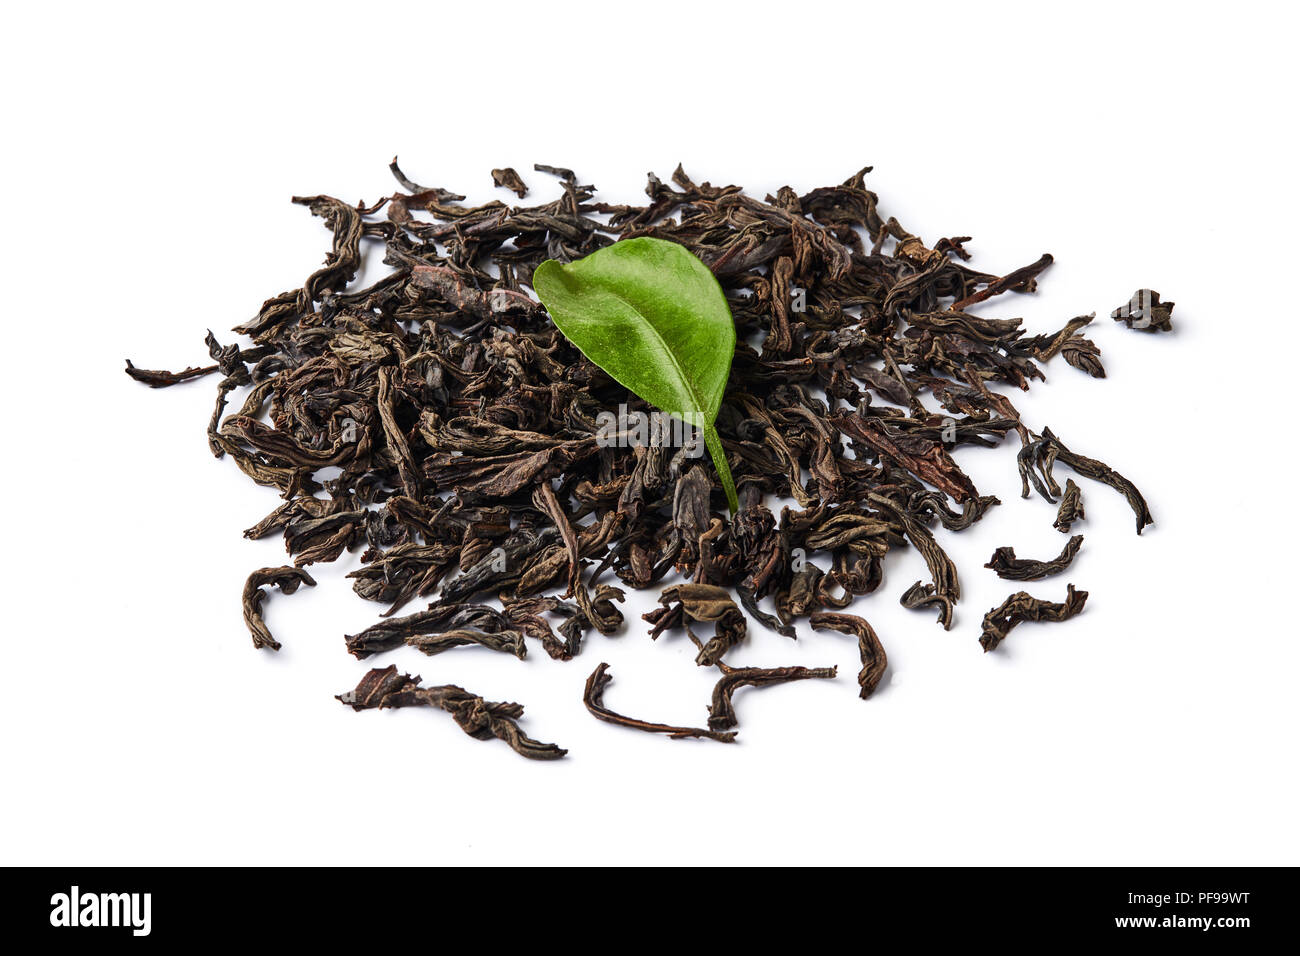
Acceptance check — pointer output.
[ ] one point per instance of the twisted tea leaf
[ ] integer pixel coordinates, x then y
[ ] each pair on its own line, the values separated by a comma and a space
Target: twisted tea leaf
509, 179
700, 602
870, 650
1006, 565
441, 628
440, 419
481, 719
1071, 509
921, 595
1146, 313
1036, 459
722, 712
1022, 606
593, 697
287, 579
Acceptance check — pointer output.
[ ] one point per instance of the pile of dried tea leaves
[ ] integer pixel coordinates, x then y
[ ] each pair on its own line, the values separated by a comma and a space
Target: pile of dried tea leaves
462, 430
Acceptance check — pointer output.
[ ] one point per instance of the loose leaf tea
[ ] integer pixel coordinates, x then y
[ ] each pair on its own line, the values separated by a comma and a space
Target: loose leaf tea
481, 719
921, 595
1037, 457
1022, 606
1006, 565
1146, 313
594, 698
163, 379
872, 652
287, 580
1082, 353
722, 712
509, 179
439, 629
700, 602
510, 466
1071, 509
653, 316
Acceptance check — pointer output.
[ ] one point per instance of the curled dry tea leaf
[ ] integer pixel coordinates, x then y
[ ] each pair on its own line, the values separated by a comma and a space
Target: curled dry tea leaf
1145, 312
441, 628
1006, 565
509, 179
1082, 353
509, 642
599, 610
722, 712
926, 458
1036, 459
287, 579
870, 650
921, 595
700, 602
653, 316
1023, 279
1071, 509
593, 697
162, 379
441, 423
1022, 606
481, 719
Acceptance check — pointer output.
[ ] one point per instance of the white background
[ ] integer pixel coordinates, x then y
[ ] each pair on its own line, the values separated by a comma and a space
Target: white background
151, 153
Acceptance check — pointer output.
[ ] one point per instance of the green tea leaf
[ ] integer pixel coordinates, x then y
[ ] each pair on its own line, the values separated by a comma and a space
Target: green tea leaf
653, 316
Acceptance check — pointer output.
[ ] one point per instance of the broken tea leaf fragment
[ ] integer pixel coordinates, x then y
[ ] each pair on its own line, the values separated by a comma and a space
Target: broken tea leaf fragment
652, 316
1145, 312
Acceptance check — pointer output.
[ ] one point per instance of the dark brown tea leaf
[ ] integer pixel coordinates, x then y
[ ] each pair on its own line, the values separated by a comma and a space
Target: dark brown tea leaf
287, 579
722, 712
1145, 312
437, 427
1071, 509
509, 179
594, 696
1006, 565
871, 651
1022, 606
481, 719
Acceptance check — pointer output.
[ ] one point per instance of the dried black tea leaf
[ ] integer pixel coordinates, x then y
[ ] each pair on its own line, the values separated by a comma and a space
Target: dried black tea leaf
1037, 457
438, 427
1084, 355
870, 650
921, 595
481, 719
599, 610
155, 379
593, 697
1021, 280
1071, 509
722, 712
1044, 347
287, 579
1145, 312
700, 602
1006, 565
509, 179
510, 642
440, 628
1022, 606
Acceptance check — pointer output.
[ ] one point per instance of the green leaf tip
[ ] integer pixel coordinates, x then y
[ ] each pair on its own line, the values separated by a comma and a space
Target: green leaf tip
652, 316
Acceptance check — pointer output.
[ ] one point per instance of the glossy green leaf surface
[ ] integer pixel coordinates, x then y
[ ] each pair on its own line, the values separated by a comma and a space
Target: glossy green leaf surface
653, 316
